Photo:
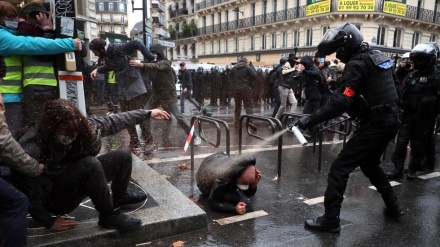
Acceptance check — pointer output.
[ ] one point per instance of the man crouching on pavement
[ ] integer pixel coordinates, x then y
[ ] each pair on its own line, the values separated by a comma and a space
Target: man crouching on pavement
228, 182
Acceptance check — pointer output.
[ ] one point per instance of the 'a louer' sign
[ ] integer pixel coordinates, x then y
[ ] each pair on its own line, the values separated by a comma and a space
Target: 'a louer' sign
395, 7
315, 7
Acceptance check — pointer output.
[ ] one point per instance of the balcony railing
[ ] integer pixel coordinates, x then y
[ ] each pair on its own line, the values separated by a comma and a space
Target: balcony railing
114, 21
208, 3
178, 12
412, 12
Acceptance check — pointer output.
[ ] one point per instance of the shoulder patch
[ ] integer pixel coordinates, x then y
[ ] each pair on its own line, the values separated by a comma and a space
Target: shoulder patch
386, 65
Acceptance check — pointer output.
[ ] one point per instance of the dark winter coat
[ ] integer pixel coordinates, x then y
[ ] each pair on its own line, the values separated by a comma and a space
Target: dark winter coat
243, 77
129, 78
162, 79
35, 143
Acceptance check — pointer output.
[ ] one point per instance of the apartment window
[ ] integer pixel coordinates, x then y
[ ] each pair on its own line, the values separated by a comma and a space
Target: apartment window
264, 11
397, 40
101, 7
274, 40
325, 29
433, 38
212, 47
101, 29
122, 7
263, 42
295, 38
110, 7
286, 4
122, 19
112, 29
252, 43
309, 37
101, 17
415, 39
381, 35
185, 50
122, 29
212, 19
274, 5
204, 49
111, 18
226, 45
237, 44
219, 18
218, 47
226, 16
204, 21
284, 42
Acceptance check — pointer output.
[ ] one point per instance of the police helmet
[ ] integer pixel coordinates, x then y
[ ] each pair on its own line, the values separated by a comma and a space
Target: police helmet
283, 60
345, 40
274, 65
259, 69
228, 67
200, 69
423, 56
436, 47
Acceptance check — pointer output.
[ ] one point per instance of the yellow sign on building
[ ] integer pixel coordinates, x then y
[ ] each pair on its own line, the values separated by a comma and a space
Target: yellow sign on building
395, 7
356, 5
315, 7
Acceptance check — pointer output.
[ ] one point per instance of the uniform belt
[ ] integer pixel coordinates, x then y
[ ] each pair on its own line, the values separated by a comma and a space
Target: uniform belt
383, 108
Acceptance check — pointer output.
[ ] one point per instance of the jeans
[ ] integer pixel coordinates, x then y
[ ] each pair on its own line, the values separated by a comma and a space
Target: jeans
13, 212
14, 117
136, 103
173, 109
183, 97
244, 96
276, 95
286, 95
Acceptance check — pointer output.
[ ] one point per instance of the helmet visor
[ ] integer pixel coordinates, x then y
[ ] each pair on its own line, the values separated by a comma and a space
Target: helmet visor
333, 39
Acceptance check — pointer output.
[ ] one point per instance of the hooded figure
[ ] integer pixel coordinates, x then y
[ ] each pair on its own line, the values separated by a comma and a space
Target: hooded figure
228, 182
310, 77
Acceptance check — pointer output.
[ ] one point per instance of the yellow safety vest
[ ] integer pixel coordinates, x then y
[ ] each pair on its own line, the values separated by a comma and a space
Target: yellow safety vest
111, 77
38, 72
12, 82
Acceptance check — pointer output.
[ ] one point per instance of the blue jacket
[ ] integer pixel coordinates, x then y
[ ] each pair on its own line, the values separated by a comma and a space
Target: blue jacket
10, 44
18, 45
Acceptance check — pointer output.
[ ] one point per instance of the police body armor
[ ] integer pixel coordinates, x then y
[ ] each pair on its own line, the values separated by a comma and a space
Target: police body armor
379, 93
422, 94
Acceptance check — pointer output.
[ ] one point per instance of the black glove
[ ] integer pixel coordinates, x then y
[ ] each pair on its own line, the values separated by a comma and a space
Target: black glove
304, 123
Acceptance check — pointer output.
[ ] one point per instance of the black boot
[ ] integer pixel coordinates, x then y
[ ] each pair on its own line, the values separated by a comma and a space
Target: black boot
324, 224
118, 221
393, 207
128, 199
410, 174
394, 174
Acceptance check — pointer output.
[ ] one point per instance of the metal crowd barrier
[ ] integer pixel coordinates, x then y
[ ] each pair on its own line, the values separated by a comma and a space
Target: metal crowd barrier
216, 123
275, 126
321, 130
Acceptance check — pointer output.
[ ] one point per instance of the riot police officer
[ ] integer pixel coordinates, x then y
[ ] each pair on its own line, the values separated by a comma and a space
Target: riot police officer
369, 93
421, 105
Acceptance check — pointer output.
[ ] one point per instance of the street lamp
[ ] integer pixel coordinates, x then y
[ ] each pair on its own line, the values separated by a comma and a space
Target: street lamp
144, 9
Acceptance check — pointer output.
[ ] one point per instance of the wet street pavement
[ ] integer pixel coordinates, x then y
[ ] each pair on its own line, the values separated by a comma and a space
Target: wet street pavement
295, 196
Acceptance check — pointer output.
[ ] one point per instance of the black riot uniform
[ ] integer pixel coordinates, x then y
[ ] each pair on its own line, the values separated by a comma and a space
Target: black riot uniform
199, 84
421, 107
370, 93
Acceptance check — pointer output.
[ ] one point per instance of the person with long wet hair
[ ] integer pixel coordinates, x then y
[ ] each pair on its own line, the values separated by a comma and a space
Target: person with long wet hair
68, 144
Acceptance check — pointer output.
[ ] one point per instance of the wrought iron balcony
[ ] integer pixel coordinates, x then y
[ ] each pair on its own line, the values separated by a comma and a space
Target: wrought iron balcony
157, 5
209, 3
412, 12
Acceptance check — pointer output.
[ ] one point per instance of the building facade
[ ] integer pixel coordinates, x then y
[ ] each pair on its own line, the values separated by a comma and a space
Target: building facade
111, 16
220, 31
